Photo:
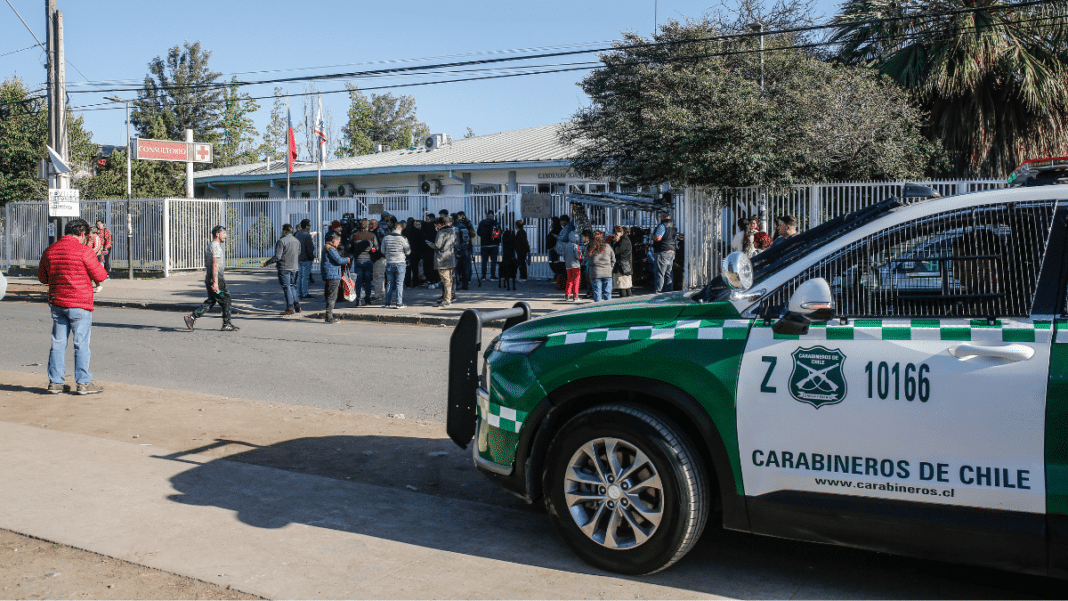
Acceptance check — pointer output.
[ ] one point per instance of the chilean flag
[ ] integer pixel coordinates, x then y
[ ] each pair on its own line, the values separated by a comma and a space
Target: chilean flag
320, 124
291, 141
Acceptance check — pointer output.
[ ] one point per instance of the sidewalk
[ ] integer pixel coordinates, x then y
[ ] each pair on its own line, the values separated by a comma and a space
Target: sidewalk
256, 292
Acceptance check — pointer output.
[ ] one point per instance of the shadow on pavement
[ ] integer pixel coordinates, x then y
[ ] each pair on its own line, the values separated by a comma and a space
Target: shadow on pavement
425, 492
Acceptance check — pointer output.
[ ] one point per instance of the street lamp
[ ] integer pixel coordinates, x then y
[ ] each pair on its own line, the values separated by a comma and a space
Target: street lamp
129, 188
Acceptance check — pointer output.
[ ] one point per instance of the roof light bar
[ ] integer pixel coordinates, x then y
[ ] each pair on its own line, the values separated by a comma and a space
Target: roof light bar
1032, 167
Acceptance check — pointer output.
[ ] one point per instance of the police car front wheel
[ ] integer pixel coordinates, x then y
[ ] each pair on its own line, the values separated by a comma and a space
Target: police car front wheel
625, 490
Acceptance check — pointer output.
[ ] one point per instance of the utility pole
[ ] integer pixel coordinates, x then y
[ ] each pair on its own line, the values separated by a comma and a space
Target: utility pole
57, 100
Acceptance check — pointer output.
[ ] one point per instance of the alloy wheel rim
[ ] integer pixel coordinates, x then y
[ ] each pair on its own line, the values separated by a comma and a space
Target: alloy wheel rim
614, 493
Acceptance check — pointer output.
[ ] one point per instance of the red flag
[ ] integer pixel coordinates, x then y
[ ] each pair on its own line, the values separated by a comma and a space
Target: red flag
291, 141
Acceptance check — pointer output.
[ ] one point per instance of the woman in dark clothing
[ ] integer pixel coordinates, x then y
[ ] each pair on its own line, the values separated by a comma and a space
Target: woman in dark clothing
414, 234
624, 267
522, 249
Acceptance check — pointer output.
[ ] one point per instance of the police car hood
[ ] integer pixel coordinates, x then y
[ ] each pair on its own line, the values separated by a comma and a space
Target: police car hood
655, 310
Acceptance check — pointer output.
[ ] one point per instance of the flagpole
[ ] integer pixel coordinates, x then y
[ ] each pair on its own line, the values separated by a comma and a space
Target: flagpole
320, 131
289, 170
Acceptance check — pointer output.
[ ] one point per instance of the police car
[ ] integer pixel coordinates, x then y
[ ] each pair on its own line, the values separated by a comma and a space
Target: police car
928, 420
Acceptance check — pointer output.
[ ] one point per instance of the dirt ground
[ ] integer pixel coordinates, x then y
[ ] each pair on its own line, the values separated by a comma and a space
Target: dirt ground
31, 568
392, 452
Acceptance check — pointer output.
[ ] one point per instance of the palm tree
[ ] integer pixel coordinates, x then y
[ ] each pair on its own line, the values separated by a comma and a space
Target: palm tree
991, 75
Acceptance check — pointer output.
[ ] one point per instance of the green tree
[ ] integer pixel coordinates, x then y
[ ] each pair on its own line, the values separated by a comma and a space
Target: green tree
23, 136
151, 179
180, 92
993, 80
691, 110
382, 119
238, 131
274, 136
355, 134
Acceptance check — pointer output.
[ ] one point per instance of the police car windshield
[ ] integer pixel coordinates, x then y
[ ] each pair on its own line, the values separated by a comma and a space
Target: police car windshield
795, 247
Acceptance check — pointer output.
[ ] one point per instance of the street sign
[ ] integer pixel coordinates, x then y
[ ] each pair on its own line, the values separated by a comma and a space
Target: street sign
166, 150
63, 203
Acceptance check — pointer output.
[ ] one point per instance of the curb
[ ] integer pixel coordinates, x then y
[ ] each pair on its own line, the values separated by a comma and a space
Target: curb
421, 320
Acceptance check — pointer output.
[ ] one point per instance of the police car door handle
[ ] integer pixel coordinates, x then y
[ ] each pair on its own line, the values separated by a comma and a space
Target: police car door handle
1012, 352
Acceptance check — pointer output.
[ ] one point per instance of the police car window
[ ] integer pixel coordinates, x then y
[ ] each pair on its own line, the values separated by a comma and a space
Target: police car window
976, 262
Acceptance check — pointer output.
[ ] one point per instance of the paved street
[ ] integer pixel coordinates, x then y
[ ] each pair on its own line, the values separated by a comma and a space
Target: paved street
370, 368
264, 461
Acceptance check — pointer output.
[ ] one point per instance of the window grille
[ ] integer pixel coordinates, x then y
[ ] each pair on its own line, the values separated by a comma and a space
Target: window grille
979, 262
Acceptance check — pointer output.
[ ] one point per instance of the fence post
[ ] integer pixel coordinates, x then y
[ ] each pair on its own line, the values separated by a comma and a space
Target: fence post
166, 237
814, 206
7, 237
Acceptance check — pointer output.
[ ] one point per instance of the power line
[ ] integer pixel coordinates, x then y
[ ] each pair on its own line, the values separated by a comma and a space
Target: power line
725, 37
546, 70
19, 50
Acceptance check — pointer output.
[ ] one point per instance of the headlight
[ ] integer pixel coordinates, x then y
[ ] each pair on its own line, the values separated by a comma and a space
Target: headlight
518, 346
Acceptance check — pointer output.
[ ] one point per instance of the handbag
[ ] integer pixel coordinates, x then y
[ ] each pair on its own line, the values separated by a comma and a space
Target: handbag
348, 288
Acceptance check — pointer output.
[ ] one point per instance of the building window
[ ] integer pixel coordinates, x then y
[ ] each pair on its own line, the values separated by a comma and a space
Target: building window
256, 195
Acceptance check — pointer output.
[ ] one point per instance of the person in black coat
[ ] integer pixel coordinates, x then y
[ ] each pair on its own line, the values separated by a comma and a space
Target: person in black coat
624, 268
416, 242
522, 249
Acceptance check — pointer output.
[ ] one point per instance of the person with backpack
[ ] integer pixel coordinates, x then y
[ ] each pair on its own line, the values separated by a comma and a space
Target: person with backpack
489, 238
364, 245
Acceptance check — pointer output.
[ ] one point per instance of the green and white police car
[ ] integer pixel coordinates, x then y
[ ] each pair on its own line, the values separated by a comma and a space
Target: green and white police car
804, 395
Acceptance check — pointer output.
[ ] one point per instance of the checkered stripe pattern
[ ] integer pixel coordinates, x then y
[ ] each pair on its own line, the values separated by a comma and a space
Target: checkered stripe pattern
694, 329
965, 330
505, 418
1062, 332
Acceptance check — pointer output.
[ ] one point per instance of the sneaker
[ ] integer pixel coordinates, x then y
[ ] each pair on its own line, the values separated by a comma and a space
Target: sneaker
90, 388
400, 306
333, 320
446, 304
289, 312
297, 308
189, 321
229, 327
57, 387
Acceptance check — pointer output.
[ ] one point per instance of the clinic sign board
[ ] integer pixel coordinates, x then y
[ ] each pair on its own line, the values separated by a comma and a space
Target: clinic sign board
63, 203
166, 150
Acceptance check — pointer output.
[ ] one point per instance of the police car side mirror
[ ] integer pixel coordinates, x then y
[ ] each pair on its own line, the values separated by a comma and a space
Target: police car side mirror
737, 271
811, 301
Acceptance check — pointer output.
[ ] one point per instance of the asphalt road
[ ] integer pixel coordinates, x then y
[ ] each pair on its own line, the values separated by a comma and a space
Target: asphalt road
358, 366
382, 369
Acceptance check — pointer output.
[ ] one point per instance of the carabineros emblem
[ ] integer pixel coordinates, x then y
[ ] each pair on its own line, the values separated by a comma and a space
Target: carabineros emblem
817, 378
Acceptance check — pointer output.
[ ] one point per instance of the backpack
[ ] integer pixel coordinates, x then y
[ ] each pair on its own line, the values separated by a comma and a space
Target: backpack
465, 238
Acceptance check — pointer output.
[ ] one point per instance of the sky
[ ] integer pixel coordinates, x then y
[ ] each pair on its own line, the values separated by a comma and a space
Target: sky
109, 44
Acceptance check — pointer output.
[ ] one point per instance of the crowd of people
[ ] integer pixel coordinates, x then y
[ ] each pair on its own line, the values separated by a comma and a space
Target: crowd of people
752, 239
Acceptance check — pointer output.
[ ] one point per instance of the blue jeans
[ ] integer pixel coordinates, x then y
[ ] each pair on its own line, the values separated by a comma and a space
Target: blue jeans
394, 282
489, 255
65, 322
662, 275
288, 280
464, 268
602, 289
362, 272
304, 269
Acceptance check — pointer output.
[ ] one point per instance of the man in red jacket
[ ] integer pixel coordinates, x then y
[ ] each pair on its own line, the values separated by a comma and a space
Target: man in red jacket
73, 272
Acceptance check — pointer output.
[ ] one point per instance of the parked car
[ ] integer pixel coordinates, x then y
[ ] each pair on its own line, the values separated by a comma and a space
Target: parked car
828, 391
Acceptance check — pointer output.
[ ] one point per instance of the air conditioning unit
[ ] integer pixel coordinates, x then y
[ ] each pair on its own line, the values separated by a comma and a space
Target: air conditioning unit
345, 190
381, 148
436, 141
431, 186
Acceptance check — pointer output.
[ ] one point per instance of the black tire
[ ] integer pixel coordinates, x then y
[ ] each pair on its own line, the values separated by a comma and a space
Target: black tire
645, 445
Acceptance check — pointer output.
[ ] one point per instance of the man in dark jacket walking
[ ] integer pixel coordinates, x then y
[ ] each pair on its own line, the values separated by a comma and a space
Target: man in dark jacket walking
287, 257
70, 268
306, 260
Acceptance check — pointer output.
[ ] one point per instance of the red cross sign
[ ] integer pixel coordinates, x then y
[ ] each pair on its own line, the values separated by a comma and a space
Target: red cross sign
202, 153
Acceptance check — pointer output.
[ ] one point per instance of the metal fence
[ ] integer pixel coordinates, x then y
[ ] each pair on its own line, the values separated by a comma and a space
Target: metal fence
713, 214
171, 234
